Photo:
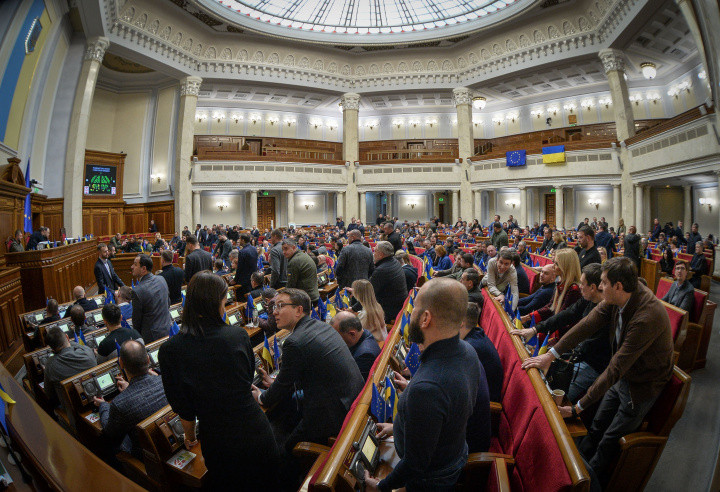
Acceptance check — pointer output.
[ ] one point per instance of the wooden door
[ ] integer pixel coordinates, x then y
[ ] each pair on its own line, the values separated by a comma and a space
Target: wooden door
266, 212
550, 209
255, 145
441, 212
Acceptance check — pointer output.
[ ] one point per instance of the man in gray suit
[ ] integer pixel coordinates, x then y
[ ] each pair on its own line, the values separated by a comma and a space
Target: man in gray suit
150, 301
278, 263
316, 359
355, 261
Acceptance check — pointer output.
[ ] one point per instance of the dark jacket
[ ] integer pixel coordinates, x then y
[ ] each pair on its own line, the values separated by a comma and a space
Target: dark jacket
85, 303
682, 296
587, 256
394, 239
151, 304
105, 278
411, 276
354, 263
197, 261
36, 238
365, 351
222, 250
388, 280
490, 360
537, 299
247, 264
571, 296
302, 274
174, 278
604, 240
632, 248
522, 280
317, 359
278, 267
547, 246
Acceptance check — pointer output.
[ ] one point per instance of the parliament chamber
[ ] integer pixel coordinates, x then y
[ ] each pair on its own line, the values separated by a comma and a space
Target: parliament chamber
380, 186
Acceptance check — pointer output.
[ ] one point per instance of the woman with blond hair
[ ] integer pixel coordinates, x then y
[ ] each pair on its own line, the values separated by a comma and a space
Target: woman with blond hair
371, 315
621, 227
559, 240
567, 292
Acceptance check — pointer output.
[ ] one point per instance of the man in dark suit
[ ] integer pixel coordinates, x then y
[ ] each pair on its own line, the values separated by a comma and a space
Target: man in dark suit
586, 250
355, 261
38, 236
640, 367
140, 396
603, 239
362, 344
316, 359
393, 237
543, 295
174, 276
632, 246
81, 300
388, 280
278, 263
223, 248
153, 227
197, 259
151, 301
105, 275
246, 265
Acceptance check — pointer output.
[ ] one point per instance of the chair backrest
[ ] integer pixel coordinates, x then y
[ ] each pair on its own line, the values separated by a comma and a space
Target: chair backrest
663, 287
697, 314
670, 404
678, 320
533, 276
417, 263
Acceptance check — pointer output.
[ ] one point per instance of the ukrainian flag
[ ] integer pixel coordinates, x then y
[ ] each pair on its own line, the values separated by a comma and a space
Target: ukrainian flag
265, 354
554, 154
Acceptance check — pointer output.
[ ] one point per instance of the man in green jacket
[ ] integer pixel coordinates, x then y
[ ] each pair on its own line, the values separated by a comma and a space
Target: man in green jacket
301, 270
499, 237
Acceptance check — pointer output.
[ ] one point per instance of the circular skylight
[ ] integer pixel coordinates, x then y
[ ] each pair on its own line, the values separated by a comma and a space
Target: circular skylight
364, 21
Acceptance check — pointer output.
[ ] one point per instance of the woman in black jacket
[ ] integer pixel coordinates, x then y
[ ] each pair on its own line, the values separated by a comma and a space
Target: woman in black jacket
667, 262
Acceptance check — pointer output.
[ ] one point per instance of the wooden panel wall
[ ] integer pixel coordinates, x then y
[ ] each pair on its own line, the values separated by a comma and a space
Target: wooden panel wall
11, 307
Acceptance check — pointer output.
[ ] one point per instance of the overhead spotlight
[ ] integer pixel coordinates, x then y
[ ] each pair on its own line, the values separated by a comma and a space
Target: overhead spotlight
648, 70
479, 102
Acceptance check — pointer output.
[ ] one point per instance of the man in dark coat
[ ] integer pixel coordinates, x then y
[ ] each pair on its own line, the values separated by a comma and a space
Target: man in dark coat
388, 280
355, 261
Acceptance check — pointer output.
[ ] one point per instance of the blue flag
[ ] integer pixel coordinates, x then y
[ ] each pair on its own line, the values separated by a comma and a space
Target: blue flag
412, 360
538, 348
109, 296
534, 340
515, 158
260, 263
508, 301
75, 335
82, 336
314, 314
249, 308
322, 309
174, 329
117, 348
378, 407
183, 299
276, 352
27, 216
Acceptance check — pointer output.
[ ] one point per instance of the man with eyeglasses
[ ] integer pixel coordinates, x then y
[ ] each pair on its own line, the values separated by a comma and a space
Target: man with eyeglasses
316, 359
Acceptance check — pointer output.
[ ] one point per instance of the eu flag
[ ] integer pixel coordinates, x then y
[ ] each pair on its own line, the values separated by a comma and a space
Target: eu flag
260, 263
174, 329
515, 158
412, 360
109, 296
378, 407
322, 309
276, 352
249, 308
28, 209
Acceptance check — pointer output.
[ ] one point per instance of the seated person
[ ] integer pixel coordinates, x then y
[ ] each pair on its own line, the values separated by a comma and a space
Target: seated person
472, 333
81, 300
543, 295
52, 312
681, 293
257, 282
411, 273
117, 334
523, 252
132, 246
698, 265
140, 396
77, 316
522, 278
548, 244
266, 320
442, 260
501, 274
465, 261
362, 344
219, 267
124, 302
69, 358
471, 280
667, 262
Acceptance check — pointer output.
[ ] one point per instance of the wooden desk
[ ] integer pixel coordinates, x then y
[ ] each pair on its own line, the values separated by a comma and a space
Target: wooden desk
328, 289
54, 272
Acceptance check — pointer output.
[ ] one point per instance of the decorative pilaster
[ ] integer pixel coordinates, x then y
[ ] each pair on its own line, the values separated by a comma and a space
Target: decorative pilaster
616, 206
559, 207
639, 208
340, 204
77, 136
363, 207
614, 64
478, 206
455, 207
253, 208
522, 219
196, 209
436, 205
189, 90
688, 13
687, 215
291, 207
350, 104
462, 98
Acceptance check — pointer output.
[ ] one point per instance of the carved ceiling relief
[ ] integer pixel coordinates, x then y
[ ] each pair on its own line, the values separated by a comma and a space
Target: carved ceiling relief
198, 49
461, 63
273, 59
584, 24
524, 41
319, 65
539, 38
178, 39
129, 14
402, 67
447, 66
388, 68
374, 70
345, 70
417, 66
167, 32
568, 28
258, 57
593, 17
432, 66
187, 45
141, 21
154, 27
332, 68
553, 33
497, 50
485, 54
510, 45
473, 59
211, 53
360, 71
289, 61
304, 62
227, 54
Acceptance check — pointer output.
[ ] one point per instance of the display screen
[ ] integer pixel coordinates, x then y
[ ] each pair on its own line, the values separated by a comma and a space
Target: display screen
368, 449
100, 180
174, 313
98, 317
229, 296
99, 339
105, 381
153, 355
402, 352
232, 319
39, 317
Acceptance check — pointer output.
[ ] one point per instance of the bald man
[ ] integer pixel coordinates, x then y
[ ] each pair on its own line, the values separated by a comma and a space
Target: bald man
434, 409
361, 342
81, 300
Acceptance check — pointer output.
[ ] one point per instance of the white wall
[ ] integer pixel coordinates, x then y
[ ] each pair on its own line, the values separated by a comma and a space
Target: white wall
315, 214
406, 212
503, 210
667, 204
162, 155
233, 215
584, 209
707, 221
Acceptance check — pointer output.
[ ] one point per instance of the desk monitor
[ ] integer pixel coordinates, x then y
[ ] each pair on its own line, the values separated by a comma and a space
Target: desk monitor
39, 316
229, 295
322, 279
174, 313
232, 319
366, 451
100, 338
400, 354
259, 307
105, 382
98, 317
153, 356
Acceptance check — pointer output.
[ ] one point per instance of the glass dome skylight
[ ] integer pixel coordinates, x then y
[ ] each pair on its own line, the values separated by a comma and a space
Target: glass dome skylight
367, 21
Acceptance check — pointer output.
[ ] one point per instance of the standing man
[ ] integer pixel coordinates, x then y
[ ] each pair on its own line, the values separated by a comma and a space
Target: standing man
153, 227
316, 359
278, 264
38, 236
632, 246
388, 281
150, 301
301, 270
430, 426
695, 237
393, 237
222, 250
247, 264
197, 259
499, 237
174, 276
586, 250
640, 367
105, 275
355, 261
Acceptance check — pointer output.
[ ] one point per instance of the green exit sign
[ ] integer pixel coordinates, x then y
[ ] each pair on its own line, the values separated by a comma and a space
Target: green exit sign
265, 193
441, 199
552, 190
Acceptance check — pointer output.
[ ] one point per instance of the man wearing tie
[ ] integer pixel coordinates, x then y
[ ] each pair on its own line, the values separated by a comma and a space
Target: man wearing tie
105, 275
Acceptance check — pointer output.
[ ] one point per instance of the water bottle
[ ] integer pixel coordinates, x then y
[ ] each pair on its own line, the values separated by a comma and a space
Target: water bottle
255, 317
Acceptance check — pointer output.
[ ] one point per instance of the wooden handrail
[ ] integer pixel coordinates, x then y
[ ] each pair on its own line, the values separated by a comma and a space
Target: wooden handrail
679, 120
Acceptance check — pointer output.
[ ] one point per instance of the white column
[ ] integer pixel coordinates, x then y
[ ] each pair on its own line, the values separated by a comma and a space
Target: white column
522, 219
291, 206
478, 206
340, 202
570, 208
647, 212
559, 207
189, 89
462, 97
614, 64
363, 207
436, 205
389, 209
717, 248
350, 104
616, 206
688, 13
638, 208
77, 136
253, 208
455, 207
536, 206
196, 209
687, 216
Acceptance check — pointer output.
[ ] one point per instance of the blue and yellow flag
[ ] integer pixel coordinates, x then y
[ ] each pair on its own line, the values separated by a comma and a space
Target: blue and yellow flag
391, 398
265, 354
345, 297
412, 360
515, 158
109, 296
4, 398
331, 311
554, 154
542, 348
82, 337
